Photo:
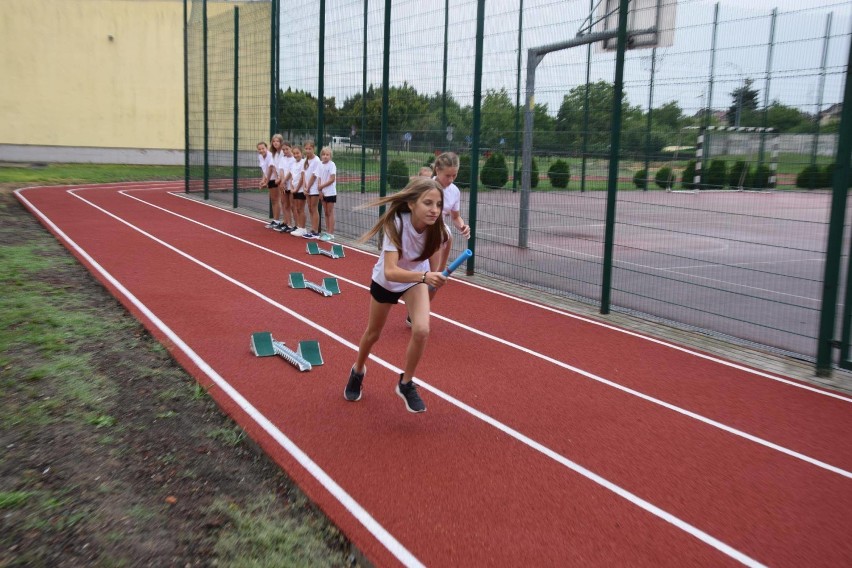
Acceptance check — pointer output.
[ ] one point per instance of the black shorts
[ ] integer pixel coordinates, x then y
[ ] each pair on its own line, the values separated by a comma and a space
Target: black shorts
329, 199
299, 196
384, 296
273, 183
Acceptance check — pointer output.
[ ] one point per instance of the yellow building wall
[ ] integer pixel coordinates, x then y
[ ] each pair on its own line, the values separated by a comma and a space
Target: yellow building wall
92, 73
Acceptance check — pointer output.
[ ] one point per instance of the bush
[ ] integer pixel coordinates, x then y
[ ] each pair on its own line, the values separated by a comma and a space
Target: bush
533, 175
761, 177
397, 174
463, 177
716, 176
740, 175
495, 172
687, 179
665, 178
828, 175
559, 174
640, 179
809, 178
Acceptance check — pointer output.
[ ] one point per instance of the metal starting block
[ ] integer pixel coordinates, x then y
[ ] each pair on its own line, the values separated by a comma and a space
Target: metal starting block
329, 286
335, 252
306, 356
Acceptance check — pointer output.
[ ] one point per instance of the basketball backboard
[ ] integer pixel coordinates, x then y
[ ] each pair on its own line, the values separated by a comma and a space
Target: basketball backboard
641, 15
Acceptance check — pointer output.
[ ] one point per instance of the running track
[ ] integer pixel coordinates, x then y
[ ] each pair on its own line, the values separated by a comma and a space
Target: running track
550, 439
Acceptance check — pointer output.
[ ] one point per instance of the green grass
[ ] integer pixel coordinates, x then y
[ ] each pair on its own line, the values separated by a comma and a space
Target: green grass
257, 536
52, 339
88, 173
230, 436
43, 327
13, 499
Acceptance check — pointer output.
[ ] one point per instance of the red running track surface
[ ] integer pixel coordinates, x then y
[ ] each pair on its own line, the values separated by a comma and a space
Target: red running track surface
550, 439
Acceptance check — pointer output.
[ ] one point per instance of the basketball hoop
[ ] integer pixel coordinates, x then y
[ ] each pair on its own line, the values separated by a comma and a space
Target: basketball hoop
655, 19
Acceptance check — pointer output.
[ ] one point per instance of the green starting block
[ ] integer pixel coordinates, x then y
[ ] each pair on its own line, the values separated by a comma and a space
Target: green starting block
329, 286
306, 356
335, 252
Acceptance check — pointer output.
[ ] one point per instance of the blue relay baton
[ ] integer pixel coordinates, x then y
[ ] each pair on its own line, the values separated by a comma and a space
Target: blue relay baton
457, 262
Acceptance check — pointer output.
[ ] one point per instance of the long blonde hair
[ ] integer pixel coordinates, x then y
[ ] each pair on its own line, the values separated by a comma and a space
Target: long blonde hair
403, 202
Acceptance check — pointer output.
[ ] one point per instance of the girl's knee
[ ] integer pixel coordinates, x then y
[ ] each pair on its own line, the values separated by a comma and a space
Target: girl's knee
420, 332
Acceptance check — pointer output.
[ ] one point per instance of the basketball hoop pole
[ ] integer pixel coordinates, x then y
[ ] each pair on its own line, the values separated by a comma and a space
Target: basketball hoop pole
534, 57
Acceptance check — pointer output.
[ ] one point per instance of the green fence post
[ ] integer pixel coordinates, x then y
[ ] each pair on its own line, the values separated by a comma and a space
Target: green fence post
650, 120
477, 107
206, 117
444, 75
273, 76
615, 149
820, 94
707, 109
585, 149
320, 103
834, 247
383, 157
766, 89
364, 106
274, 41
185, 99
321, 79
236, 101
518, 98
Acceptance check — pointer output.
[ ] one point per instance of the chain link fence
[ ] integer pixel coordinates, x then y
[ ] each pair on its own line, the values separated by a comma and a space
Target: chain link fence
401, 81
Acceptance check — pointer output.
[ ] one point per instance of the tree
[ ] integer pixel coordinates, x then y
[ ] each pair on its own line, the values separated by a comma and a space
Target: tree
744, 108
668, 117
297, 112
788, 119
570, 117
498, 119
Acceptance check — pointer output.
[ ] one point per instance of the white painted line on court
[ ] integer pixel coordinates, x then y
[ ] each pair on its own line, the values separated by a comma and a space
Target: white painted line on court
746, 263
393, 546
688, 413
551, 309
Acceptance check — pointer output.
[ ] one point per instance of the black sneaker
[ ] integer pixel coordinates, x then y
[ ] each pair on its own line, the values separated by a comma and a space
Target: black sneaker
408, 393
282, 228
352, 392
272, 224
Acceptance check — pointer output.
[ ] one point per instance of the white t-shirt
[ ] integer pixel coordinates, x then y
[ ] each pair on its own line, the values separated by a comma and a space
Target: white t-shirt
284, 166
452, 202
296, 170
324, 173
313, 166
264, 162
412, 246
274, 161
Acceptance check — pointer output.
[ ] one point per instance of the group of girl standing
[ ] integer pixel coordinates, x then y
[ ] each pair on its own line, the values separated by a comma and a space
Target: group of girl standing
295, 180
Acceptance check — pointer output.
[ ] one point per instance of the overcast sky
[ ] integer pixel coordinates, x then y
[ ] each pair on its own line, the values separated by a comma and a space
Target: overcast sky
681, 70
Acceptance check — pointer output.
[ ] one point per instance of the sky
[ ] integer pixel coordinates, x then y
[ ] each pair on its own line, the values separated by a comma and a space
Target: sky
681, 71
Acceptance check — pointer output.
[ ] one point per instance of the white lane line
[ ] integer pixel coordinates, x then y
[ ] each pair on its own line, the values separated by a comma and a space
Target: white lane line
543, 357
551, 309
357, 511
745, 263
603, 482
